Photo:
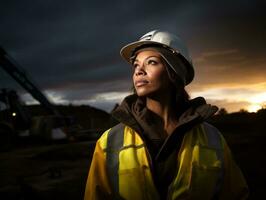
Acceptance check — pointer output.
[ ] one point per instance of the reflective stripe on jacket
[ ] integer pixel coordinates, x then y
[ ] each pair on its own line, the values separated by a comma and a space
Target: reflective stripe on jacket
121, 167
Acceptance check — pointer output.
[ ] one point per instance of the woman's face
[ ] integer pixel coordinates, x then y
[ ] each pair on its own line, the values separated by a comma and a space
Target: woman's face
149, 74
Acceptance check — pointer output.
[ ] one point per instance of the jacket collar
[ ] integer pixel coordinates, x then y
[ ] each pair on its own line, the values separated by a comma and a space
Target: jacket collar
132, 110
134, 113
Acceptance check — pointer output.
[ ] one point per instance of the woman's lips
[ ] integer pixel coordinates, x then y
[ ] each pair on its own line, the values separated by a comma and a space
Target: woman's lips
141, 83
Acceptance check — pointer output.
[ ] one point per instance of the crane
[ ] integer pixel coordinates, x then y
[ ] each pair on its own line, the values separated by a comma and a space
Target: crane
52, 124
15, 71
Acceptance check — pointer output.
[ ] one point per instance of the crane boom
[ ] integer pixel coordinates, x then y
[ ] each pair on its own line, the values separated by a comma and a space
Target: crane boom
16, 72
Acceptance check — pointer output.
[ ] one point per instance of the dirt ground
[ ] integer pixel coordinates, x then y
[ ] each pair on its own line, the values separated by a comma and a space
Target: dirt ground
45, 172
60, 171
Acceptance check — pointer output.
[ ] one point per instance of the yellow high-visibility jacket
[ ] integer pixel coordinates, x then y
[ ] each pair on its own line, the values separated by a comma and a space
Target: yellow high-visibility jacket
121, 167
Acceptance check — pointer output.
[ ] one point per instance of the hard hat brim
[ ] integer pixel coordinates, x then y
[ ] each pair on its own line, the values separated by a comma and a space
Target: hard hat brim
126, 51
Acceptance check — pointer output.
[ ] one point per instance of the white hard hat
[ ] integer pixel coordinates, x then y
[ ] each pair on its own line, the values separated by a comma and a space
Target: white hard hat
168, 41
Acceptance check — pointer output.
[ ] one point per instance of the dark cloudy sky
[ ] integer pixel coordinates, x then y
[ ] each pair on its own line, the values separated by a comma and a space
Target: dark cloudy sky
71, 48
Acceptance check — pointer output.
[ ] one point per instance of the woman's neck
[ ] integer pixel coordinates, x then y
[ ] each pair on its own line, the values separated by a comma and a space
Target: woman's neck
165, 108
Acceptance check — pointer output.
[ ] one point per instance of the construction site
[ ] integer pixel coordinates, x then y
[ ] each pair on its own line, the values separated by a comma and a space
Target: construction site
46, 149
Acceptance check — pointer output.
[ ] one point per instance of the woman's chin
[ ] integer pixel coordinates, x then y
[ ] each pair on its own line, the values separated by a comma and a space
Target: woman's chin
146, 93
142, 93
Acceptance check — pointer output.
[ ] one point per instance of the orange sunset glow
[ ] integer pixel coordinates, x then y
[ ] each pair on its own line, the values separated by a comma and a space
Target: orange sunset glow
248, 97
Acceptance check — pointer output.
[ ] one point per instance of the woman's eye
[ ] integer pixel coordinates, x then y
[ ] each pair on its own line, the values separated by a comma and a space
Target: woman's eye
152, 62
135, 66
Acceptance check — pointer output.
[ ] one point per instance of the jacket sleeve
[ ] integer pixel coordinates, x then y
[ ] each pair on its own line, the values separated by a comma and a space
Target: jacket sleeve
97, 186
234, 184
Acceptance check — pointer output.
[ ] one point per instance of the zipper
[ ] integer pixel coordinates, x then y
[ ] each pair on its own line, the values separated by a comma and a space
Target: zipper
184, 127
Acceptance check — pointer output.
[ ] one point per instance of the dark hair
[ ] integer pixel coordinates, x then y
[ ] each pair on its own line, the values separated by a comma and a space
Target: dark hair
182, 99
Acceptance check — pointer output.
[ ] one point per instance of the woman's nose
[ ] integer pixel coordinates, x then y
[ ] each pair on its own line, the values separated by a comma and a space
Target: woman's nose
140, 70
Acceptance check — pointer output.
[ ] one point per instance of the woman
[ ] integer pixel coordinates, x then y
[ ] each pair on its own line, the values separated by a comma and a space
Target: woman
163, 148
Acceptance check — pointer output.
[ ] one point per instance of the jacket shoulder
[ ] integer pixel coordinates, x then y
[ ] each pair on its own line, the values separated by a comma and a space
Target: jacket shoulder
211, 129
214, 136
110, 133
